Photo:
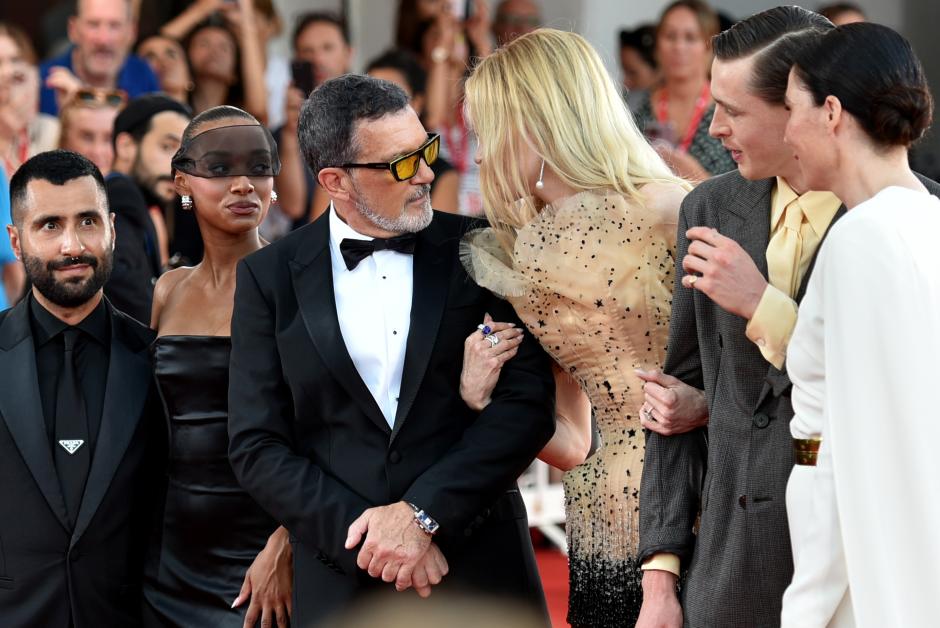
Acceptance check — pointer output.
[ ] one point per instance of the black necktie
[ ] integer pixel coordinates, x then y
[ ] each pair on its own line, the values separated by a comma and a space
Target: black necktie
354, 251
72, 449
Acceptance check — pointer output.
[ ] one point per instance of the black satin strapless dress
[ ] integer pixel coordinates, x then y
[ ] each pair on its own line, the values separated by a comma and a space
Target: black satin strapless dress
211, 529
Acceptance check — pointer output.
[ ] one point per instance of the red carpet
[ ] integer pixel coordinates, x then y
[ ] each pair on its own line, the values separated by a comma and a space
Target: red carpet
553, 567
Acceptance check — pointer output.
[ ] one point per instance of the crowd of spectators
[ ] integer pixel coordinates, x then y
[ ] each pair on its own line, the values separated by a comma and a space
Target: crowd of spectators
113, 54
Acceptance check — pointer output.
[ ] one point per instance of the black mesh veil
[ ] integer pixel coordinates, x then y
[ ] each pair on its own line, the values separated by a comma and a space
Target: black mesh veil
229, 151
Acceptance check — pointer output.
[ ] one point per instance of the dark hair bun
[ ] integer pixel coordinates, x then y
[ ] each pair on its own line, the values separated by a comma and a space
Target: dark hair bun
875, 74
900, 114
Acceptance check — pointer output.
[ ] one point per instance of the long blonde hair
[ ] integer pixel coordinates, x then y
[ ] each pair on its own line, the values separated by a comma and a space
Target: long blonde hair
549, 89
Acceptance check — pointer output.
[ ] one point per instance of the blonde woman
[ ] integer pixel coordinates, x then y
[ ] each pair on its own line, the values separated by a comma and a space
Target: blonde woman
583, 214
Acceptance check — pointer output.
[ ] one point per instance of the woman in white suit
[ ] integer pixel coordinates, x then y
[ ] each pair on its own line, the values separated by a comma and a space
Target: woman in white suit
862, 500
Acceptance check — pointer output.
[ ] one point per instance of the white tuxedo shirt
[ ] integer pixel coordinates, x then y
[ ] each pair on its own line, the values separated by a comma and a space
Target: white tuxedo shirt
373, 304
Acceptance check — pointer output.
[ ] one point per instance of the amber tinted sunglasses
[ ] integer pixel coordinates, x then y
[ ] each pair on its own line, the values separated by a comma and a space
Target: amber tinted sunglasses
406, 166
109, 97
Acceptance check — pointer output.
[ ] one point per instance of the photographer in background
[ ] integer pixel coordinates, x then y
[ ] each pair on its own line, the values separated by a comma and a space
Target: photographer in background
322, 50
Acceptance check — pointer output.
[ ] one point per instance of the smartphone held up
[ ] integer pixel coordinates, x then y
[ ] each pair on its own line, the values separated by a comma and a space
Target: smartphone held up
303, 76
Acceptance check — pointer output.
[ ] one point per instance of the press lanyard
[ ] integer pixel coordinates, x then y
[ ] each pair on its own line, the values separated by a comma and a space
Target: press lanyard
662, 114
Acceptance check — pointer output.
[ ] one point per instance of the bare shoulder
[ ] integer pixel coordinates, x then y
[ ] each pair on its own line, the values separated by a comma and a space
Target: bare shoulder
164, 288
168, 282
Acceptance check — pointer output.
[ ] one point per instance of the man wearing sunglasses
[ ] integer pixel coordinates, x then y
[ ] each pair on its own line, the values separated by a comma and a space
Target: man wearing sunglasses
346, 422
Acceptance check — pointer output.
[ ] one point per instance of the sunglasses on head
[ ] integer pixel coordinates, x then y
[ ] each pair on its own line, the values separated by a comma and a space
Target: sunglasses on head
406, 166
109, 97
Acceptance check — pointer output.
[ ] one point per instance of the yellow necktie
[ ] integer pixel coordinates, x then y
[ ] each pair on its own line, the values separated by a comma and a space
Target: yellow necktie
785, 250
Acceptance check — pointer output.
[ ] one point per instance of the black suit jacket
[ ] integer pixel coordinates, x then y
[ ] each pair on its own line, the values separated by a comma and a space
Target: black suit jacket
310, 444
95, 570
732, 474
136, 252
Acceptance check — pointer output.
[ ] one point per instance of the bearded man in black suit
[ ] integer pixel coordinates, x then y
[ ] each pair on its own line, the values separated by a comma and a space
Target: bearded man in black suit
82, 444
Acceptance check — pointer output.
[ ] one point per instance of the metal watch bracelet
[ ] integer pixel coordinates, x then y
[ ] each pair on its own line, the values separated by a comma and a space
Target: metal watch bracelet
427, 524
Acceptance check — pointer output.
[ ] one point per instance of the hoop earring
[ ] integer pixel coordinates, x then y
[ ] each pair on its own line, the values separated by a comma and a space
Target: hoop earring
540, 184
187, 202
273, 196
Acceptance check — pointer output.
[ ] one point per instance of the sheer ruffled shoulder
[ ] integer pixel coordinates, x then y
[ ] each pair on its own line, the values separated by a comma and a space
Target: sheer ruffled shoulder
490, 266
588, 247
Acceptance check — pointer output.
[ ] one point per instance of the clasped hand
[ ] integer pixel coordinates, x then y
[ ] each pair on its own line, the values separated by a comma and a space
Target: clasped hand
396, 549
670, 405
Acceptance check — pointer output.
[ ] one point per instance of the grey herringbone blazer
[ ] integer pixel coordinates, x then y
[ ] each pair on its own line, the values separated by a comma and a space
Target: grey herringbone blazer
734, 473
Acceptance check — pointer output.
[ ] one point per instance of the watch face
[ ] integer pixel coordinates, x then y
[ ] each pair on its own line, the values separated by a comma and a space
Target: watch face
429, 525
424, 520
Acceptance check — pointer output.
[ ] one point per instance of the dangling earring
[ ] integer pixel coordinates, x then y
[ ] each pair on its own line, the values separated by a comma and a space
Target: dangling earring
187, 202
540, 185
273, 196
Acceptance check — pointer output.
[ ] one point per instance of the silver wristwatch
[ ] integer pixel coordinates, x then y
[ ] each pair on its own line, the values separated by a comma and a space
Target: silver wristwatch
427, 524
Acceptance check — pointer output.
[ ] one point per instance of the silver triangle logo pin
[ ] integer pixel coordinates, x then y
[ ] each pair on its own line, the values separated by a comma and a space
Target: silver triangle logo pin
71, 446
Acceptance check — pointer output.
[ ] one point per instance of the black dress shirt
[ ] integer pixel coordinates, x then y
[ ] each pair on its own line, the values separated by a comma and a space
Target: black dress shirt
92, 357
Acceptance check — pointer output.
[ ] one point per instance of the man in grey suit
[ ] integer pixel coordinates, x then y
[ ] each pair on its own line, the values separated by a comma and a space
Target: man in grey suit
734, 307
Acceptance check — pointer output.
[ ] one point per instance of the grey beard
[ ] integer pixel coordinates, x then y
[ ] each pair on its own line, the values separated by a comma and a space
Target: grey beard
405, 222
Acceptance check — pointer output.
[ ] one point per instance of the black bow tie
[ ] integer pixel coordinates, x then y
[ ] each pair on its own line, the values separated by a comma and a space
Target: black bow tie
354, 251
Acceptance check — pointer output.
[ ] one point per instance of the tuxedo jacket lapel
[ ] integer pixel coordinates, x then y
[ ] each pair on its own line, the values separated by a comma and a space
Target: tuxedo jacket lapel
21, 406
432, 268
312, 278
126, 392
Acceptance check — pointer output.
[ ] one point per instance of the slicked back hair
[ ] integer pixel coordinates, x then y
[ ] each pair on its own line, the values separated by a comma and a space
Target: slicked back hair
774, 36
221, 112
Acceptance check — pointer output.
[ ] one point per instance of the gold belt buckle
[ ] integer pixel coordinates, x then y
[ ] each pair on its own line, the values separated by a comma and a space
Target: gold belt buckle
805, 450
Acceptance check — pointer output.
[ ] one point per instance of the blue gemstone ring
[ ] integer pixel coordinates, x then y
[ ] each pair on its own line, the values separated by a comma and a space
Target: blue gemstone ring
485, 329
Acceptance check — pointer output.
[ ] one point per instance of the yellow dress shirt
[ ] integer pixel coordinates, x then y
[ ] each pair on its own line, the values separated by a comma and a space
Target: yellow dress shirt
772, 324
773, 321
